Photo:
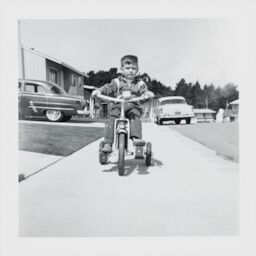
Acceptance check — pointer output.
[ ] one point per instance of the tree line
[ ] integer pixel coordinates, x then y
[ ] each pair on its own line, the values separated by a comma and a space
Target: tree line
206, 96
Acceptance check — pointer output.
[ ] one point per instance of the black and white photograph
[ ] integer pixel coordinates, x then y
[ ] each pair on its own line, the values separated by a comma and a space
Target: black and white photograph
127, 128
138, 144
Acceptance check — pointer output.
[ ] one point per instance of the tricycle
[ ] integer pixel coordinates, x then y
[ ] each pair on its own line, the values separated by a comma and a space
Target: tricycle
122, 142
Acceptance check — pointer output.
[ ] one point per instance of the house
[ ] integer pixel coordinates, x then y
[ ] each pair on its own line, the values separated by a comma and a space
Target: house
204, 115
231, 113
39, 66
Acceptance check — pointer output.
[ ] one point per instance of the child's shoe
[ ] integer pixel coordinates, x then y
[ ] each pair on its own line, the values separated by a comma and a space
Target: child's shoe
107, 148
138, 142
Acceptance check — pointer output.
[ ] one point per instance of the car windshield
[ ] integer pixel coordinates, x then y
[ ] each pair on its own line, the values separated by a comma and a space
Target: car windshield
173, 101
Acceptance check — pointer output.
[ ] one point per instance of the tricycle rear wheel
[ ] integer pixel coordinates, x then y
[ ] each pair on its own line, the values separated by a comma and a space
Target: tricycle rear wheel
148, 153
121, 152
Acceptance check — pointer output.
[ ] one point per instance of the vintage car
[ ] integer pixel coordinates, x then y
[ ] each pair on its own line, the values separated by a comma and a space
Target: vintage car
43, 98
173, 108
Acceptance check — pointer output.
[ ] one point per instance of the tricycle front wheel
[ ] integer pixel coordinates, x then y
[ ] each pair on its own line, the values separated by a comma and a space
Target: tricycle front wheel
121, 153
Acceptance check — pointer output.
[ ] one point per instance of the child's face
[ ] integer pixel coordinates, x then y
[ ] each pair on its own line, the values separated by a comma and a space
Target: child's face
129, 70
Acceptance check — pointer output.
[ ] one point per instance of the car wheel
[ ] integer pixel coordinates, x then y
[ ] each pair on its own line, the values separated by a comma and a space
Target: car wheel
177, 121
159, 121
54, 115
188, 120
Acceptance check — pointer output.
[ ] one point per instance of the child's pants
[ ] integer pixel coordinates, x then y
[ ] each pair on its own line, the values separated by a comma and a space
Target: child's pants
133, 114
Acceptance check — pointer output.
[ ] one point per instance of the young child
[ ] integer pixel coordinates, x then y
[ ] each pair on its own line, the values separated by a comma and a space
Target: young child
127, 81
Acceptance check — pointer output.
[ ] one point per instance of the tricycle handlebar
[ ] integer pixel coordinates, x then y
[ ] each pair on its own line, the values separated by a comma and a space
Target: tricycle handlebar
104, 97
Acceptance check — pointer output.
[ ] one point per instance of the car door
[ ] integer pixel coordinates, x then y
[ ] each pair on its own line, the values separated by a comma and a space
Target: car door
33, 99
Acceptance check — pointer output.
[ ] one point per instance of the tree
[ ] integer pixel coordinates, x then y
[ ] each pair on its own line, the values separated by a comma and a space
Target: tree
189, 96
198, 98
208, 92
159, 89
101, 77
218, 97
184, 89
181, 88
210, 96
230, 92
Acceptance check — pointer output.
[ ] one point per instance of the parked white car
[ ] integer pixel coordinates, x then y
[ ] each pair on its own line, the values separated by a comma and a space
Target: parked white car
173, 108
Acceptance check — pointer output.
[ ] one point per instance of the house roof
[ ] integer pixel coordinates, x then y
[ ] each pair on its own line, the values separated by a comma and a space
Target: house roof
32, 50
203, 110
234, 102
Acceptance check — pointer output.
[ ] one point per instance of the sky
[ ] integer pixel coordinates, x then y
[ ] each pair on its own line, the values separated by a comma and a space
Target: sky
207, 50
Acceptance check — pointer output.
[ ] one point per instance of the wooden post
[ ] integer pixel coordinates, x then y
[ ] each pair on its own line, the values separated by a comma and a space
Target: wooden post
21, 53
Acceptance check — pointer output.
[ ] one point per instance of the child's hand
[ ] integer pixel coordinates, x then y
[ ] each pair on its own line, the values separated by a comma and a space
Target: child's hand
95, 93
149, 95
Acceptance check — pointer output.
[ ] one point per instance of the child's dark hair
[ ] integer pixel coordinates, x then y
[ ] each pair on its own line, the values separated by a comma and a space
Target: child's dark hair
129, 59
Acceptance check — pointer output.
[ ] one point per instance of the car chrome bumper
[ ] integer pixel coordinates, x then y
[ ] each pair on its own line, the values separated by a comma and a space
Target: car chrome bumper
84, 111
177, 116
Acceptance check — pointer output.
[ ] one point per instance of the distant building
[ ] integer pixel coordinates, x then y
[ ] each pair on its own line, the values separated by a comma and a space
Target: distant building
232, 111
88, 91
204, 115
40, 66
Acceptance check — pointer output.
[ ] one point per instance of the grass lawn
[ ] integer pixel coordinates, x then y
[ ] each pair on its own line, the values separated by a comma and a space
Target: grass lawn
54, 139
221, 137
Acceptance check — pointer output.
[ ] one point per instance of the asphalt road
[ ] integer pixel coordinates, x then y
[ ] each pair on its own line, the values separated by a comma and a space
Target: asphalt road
188, 191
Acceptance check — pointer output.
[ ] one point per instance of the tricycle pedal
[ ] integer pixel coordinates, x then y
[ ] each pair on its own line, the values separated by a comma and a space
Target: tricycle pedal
141, 143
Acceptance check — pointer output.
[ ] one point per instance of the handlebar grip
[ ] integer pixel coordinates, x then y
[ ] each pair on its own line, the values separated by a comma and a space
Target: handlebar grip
104, 97
91, 108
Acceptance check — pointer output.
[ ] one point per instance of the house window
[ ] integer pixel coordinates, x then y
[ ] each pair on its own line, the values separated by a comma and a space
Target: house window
53, 75
74, 78
79, 81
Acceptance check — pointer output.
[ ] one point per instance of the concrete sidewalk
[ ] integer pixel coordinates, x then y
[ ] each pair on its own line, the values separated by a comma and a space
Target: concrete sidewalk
188, 191
30, 163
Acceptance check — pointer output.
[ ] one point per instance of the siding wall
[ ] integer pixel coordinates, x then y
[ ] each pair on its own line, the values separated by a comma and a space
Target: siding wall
59, 68
73, 89
80, 89
204, 117
65, 79
35, 66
